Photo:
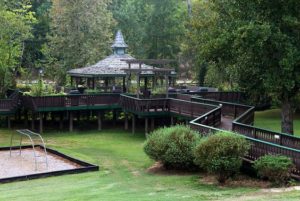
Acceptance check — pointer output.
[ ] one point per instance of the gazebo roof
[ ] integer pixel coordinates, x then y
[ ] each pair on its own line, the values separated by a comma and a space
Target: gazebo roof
113, 65
119, 41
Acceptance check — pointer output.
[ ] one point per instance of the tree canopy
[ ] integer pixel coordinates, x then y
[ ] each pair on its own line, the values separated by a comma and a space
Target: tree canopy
15, 28
252, 45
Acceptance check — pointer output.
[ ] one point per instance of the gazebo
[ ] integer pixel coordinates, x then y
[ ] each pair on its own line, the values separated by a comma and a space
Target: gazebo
113, 74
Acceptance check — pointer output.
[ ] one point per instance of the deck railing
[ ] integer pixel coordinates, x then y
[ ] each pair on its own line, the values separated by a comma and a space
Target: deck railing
181, 106
36, 103
234, 97
10, 104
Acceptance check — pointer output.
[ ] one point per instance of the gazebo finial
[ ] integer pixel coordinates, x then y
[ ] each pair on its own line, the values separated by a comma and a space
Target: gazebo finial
119, 45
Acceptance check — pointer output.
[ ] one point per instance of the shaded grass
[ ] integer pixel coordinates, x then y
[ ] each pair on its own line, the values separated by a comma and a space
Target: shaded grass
123, 174
270, 119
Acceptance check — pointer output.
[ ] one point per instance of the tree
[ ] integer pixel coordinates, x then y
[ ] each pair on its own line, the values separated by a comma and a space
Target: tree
255, 45
80, 34
153, 28
33, 54
15, 27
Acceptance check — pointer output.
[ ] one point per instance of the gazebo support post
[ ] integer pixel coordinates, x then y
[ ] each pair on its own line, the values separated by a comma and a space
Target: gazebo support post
126, 121
146, 84
72, 80
94, 86
124, 82
99, 116
133, 124
154, 82
138, 86
167, 86
106, 84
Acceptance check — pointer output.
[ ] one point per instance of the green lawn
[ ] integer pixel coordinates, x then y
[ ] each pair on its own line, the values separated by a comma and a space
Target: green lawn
122, 176
270, 119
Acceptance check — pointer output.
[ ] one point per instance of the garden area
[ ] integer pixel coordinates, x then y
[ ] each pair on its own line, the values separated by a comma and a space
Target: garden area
149, 100
125, 174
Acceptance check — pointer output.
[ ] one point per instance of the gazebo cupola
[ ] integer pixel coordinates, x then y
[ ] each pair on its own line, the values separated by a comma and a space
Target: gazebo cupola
119, 46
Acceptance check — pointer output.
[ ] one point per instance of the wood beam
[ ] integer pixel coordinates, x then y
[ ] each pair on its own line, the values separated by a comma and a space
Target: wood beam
167, 85
41, 122
126, 121
8, 122
71, 121
61, 121
32, 121
138, 86
99, 116
133, 124
146, 126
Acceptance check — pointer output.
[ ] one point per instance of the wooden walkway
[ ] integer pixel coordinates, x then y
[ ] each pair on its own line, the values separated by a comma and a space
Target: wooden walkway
226, 123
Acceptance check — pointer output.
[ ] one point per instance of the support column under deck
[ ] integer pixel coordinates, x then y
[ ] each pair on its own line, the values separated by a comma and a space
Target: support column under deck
172, 120
8, 122
133, 124
32, 121
126, 121
146, 126
99, 114
61, 121
41, 122
71, 121
152, 124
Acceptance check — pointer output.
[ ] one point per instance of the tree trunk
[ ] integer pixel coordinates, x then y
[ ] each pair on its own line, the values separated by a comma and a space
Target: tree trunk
287, 117
189, 4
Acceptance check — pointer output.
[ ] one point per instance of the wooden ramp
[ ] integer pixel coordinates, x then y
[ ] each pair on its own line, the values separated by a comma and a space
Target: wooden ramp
226, 123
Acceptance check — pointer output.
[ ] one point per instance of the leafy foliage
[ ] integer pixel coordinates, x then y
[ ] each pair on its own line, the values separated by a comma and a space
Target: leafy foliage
275, 168
221, 154
81, 33
172, 146
153, 28
15, 21
259, 39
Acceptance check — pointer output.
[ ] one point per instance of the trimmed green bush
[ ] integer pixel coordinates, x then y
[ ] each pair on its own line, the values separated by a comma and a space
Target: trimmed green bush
173, 146
276, 169
221, 154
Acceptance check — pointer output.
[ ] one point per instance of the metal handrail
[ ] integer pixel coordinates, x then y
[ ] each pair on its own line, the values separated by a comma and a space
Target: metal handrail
30, 135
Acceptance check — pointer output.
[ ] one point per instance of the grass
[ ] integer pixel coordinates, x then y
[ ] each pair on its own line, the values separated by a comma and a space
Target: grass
270, 119
123, 174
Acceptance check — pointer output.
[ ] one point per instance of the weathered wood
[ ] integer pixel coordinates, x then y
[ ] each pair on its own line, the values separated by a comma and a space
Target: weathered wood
41, 122
126, 121
152, 124
8, 122
99, 117
71, 121
146, 126
32, 121
172, 120
133, 124
61, 121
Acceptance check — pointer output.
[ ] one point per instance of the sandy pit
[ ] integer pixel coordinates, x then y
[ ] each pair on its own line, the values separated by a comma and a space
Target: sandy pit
24, 164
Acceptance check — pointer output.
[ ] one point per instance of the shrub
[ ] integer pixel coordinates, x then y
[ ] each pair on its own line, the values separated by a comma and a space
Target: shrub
221, 154
173, 146
277, 169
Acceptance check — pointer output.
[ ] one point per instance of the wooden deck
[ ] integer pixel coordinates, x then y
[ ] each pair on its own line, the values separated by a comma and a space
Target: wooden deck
208, 113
